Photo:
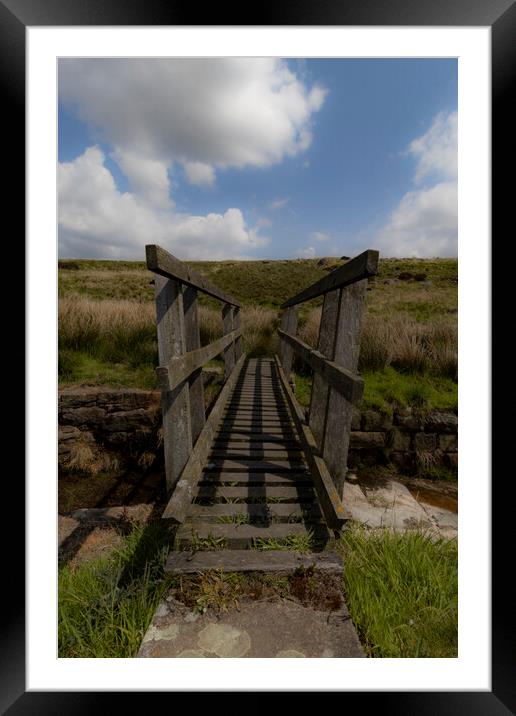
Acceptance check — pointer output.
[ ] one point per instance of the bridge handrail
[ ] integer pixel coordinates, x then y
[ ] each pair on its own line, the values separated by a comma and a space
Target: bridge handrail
362, 266
163, 263
336, 386
181, 356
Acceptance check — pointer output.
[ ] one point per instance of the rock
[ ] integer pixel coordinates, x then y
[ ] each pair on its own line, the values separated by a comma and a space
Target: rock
403, 460
398, 440
426, 442
127, 420
441, 422
68, 432
356, 419
407, 418
374, 420
448, 443
92, 416
452, 460
359, 439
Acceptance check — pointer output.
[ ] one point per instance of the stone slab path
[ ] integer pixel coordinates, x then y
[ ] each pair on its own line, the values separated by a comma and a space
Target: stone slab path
282, 629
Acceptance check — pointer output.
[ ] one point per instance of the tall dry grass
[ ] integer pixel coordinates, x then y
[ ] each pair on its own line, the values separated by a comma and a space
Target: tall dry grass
400, 341
111, 330
123, 331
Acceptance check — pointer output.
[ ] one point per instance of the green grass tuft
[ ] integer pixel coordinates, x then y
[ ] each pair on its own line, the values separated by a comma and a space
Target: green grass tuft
402, 592
105, 606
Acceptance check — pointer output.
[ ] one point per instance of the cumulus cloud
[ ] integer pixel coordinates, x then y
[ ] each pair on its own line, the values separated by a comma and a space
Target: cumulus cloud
307, 253
199, 173
148, 177
319, 236
436, 150
279, 203
424, 224
97, 220
206, 114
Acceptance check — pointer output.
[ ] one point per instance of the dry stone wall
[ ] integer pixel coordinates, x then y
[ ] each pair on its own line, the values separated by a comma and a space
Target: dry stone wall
108, 427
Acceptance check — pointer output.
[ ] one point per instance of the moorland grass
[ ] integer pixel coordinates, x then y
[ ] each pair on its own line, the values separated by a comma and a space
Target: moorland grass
106, 605
107, 331
401, 591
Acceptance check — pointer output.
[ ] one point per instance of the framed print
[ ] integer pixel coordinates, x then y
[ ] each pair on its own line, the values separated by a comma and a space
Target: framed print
35, 34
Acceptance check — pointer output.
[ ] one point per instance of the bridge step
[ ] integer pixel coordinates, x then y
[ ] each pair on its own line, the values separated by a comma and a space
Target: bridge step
255, 478
245, 536
263, 512
256, 484
252, 561
249, 492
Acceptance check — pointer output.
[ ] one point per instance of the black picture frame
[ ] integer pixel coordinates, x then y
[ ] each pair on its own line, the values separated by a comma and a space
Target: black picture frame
15, 17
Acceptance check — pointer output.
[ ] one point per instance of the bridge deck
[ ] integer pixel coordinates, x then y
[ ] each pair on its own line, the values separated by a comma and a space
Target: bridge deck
256, 484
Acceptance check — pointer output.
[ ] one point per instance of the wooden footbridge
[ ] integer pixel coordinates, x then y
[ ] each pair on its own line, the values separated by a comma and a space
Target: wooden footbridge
256, 471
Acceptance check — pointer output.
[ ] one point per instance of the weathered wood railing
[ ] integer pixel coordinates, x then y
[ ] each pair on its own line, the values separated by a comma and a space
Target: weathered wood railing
186, 432
336, 387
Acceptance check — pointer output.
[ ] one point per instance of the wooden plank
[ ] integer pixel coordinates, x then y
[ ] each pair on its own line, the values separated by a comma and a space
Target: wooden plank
351, 386
333, 510
288, 326
270, 433
246, 436
256, 422
233, 479
275, 511
326, 346
175, 404
340, 409
177, 507
273, 561
239, 343
240, 464
192, 343
179, 368
262, 455
360, 267
255, 446
241, 536
164, 264
227, 329
285, 493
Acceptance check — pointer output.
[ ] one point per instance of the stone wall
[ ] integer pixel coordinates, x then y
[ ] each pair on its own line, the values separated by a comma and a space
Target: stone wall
106, 429
409, 439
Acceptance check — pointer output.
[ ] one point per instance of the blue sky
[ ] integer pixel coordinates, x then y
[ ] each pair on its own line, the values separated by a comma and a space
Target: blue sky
257, 158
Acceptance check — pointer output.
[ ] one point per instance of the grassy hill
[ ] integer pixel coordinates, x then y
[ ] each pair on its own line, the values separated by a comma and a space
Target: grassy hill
107, 329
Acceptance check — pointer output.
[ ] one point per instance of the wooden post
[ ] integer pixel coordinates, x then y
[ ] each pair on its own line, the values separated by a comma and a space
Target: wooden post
326, 345
175, 404
227, 327
236, 325
289, 325
339, 411
192, 342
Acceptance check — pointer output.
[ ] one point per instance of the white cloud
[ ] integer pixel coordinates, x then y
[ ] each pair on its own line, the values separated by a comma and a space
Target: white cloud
148, 177
279, 203
319, 236
424, 224
307, 253
219, 113
436, 150
97, 220
199, 173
